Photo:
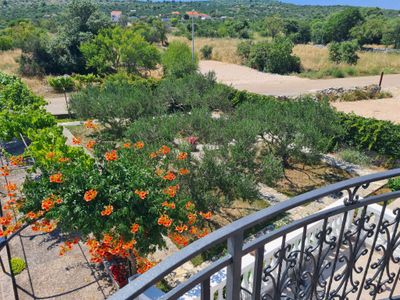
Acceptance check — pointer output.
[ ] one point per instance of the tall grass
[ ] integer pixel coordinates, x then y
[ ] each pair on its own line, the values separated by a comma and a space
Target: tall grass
314, 60
316, 64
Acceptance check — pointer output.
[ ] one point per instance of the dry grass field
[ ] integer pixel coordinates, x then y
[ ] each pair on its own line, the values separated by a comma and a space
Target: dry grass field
9, 65
314, 59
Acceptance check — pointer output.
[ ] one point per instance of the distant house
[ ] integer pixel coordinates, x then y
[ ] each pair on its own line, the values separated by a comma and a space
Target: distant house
195, 14
175, 13
116, 15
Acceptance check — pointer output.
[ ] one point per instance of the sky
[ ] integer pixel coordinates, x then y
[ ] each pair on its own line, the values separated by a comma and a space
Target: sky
393, 4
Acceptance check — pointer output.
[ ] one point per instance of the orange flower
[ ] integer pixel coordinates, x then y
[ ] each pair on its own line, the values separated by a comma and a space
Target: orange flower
169, 176
165, 221
135, 228
171, 190
111, 156
206, 216
181, 228
4, 171
47, 204
16, 160
107, 210
193, 230
142, 194
76, 141
90, 195
129, 245
169, 205
139, 145
90, 144
89, 124
189, 205
159, 172
31, 215
59, 201
192, 219
50, 155
153, 155
180, 239
107, 239
203, 233
127, 145
6, 220
164, 150
10, 187
184, 171
56, 178
63, 160
182, 156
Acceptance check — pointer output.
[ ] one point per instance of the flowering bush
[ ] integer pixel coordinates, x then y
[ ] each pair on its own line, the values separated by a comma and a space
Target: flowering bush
123, 203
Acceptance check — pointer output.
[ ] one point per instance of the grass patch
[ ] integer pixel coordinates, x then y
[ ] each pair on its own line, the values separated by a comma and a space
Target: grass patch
355, 157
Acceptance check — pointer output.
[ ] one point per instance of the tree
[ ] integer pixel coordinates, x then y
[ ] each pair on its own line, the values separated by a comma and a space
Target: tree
60, 54
339, 25
391, 36
273, 26
177, 60
369, 32
344, 52
116, 48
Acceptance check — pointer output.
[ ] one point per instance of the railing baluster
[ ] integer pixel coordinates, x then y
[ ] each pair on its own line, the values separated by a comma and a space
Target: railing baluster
258, 270
277, 293
205, 289
394, 284
344, 226
234, 270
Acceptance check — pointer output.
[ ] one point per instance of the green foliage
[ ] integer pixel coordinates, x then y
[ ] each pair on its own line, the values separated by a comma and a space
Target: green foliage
273, 26
288, 128
344, 52
120, 48
62, 83
273, 57
206, 51
177, 60
355, 157
361, 133
20, 109
116, 105
60, 53
83, 81
17, 265
369, 32
391, 35
394, 184
6, 43
339, 25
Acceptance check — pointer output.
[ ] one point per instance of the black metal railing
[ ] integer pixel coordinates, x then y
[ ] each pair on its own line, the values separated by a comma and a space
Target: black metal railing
348, 250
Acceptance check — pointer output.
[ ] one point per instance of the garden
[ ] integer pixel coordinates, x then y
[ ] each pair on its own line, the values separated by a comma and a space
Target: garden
168, 158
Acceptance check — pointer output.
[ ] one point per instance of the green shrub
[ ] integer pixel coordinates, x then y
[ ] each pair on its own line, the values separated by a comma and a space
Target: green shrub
6, 43
116, 105
177, 60
206, 51
370, 134
243, 49
273, 57
394, 184
82, 81
17, 265
62, 83
354, 157
344, 52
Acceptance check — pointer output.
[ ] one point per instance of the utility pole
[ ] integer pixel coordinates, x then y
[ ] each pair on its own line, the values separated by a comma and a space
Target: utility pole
193, 35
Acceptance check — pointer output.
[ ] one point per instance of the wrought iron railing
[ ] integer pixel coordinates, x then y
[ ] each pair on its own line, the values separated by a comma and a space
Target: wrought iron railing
348, 250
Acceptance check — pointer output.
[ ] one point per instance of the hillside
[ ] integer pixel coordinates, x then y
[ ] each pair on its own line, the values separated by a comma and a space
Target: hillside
33, 9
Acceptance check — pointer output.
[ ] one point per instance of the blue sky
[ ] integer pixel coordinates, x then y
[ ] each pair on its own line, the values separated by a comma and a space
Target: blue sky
393, 4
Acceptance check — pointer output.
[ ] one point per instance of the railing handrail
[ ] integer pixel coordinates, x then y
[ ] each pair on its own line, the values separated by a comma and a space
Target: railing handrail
154, 275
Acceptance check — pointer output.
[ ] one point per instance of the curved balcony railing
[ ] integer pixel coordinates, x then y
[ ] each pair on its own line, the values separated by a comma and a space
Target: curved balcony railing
350, 250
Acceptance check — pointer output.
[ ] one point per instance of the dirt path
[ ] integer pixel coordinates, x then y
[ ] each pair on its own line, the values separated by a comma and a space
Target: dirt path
245, 78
